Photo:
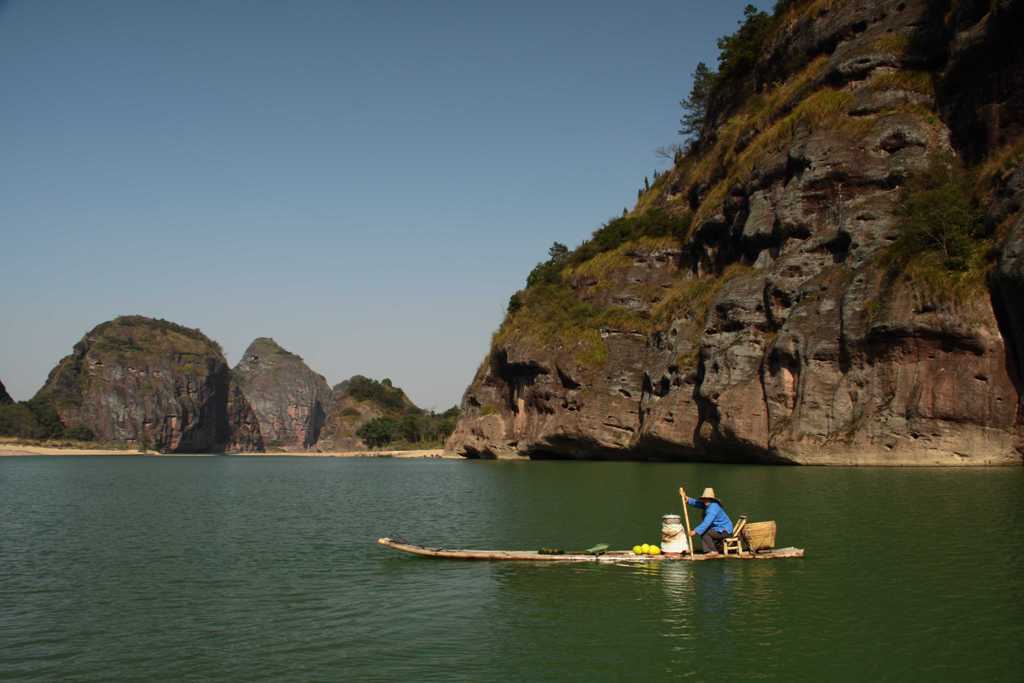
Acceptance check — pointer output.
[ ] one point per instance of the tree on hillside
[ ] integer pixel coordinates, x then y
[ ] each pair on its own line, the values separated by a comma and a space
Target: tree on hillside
378, 432
558, 252
737, 53
695, 107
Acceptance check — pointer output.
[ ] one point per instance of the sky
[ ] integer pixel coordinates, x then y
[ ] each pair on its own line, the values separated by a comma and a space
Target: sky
365, 182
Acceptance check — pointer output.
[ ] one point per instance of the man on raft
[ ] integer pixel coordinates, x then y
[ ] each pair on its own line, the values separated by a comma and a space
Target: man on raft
716, 524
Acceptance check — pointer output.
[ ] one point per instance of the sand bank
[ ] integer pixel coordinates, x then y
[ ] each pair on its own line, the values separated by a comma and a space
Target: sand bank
436, 453
19, 448
16, 448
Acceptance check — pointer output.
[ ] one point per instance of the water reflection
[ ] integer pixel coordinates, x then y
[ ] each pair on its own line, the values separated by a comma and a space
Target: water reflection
266, 569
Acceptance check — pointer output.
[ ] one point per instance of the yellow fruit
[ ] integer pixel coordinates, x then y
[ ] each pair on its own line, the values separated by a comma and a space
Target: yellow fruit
655, 550
644, 549
637, 550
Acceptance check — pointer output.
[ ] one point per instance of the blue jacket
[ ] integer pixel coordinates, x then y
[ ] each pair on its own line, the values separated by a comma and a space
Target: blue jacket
714, 517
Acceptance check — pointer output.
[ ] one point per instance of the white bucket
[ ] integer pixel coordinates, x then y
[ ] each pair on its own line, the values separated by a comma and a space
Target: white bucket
673, 535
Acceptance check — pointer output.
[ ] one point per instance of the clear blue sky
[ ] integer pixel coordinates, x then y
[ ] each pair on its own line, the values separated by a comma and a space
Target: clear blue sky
366, 182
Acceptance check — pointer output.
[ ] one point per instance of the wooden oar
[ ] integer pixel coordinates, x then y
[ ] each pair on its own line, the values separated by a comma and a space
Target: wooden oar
686, 516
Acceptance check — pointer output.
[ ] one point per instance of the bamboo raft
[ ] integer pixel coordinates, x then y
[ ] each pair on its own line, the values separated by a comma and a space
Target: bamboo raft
609, 557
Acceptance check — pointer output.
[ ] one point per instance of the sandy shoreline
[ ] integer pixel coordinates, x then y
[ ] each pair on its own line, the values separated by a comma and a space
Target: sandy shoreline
30, 449
434, 453
14, 448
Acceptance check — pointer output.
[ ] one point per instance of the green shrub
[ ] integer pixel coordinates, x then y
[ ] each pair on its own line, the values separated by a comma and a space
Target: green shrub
35, 419
47, 417
378, 432
17, 420
382, 393
618, 231
738, 53
544, 273
412, 429
552, 315
938, 220
79, 434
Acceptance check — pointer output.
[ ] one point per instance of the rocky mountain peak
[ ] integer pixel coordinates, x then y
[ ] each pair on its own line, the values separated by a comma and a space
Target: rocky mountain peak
144, 382
266, 347
289, 399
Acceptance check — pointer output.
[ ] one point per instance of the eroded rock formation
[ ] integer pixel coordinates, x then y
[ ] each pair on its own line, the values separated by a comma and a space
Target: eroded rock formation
774, 331
288, 399
244, 425
146, 383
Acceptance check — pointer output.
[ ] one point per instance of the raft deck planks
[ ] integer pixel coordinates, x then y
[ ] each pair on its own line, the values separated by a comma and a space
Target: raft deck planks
610, 557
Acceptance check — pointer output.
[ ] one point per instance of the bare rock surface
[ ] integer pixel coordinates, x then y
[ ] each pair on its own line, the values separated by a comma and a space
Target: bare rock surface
289, 400
245, 433
147, 383
807, 350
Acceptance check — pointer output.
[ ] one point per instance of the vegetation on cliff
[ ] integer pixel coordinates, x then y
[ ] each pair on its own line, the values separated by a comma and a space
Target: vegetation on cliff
942, 240
383, 416
413, 430
383, 393
827, 221
735, 118
37, 419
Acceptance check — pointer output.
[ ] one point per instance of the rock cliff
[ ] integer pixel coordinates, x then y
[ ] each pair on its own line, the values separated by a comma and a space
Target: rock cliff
243, 423
146, 383
289, 400
768, 298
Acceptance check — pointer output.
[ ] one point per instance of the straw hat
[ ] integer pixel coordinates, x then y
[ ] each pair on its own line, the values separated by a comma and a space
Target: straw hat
709, 493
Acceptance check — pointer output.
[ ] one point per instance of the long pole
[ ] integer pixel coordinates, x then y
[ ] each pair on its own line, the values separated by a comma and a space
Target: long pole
686, 516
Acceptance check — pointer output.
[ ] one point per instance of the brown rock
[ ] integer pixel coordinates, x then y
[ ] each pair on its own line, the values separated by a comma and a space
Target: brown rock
243, 422
289, 400
145, 383
787, 340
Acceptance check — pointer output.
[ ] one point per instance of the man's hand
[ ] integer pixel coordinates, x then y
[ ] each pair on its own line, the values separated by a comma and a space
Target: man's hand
692, 532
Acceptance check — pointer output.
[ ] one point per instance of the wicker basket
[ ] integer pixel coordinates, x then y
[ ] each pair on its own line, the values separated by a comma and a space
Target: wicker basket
759, 535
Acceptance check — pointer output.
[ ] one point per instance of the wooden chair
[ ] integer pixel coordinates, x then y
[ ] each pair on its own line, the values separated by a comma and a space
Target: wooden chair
733, 544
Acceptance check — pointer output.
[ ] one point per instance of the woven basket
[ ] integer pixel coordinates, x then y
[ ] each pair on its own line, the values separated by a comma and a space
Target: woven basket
759, 535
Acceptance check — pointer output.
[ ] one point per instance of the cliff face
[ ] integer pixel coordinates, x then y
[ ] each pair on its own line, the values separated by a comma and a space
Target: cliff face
144, 382
152, 384
5, 398
750, 310
243, 423
288, 399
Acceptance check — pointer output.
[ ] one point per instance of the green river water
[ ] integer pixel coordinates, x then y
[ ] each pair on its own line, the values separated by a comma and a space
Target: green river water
245, 569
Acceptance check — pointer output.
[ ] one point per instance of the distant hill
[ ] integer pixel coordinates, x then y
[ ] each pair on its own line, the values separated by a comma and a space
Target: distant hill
140, 382
369, 413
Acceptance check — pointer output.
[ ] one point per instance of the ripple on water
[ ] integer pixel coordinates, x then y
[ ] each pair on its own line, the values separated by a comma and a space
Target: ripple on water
265, 569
